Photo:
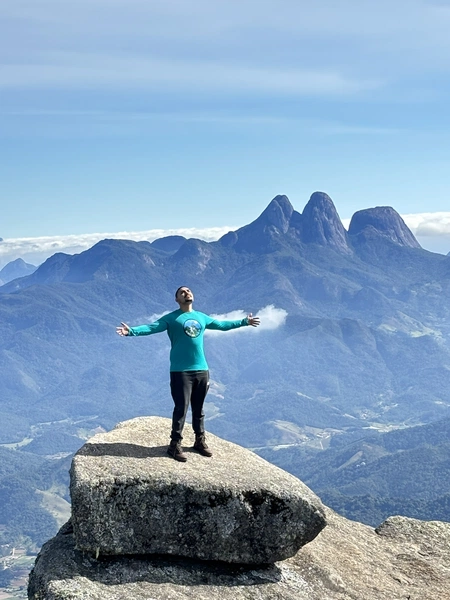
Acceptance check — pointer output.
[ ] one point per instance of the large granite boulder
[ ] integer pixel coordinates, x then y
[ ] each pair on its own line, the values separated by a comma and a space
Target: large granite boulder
129, 497
402, 559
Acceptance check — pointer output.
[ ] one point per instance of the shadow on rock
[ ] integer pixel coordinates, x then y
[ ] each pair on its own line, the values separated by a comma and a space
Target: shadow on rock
122, 449
67, 562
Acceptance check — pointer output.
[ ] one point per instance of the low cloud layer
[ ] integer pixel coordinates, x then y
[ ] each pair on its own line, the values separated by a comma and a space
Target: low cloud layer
36, 250
429, 224
431, 229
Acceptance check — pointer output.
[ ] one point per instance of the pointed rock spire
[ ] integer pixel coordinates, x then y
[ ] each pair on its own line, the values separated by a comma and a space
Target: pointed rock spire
385, 221
278, 214
262, 233
320, 224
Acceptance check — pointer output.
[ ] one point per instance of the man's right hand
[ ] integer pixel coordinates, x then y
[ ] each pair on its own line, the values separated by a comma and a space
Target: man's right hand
123, 329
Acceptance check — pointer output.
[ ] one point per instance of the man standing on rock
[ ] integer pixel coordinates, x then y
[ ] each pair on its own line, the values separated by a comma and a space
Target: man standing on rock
189, 374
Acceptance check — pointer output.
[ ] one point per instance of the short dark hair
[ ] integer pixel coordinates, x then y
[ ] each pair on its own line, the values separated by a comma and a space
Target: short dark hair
180, 288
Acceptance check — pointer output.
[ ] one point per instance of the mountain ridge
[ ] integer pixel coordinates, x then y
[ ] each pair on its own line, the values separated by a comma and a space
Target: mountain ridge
363, 301
349, 340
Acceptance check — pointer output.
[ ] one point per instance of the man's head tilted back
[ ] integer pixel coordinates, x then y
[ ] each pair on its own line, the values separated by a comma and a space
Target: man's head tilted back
183, 295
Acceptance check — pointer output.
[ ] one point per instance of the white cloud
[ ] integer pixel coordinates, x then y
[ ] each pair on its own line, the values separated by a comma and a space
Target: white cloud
429, 224
406, 32
65, 70
431, 229
172, 19
286, 48
271, 318
86, 123
269, 49
36, 250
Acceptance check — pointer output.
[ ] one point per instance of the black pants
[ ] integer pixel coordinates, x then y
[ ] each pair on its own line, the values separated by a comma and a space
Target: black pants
188, 387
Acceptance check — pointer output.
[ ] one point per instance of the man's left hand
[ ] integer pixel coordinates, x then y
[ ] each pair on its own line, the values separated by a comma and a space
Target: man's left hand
253, 321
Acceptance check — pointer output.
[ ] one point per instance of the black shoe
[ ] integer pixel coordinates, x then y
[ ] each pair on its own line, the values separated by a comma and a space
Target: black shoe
175, 451
200, 445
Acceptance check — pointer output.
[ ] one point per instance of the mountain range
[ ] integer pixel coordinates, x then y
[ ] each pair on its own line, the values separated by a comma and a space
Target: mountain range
354, 336
365, 335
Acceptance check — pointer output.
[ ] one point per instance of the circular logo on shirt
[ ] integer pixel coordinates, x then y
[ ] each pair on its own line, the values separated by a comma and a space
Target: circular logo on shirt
192, 328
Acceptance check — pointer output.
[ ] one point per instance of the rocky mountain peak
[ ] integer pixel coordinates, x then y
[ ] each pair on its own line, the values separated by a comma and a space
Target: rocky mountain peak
320, 201
278, 213
320, 223
262, 233
14, 269
387, 222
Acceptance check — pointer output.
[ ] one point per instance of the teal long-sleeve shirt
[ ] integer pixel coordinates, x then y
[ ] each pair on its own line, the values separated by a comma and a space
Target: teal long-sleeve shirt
185, 331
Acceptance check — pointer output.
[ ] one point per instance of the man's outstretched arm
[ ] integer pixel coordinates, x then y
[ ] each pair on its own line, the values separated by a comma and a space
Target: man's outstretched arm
227, 325
155, 327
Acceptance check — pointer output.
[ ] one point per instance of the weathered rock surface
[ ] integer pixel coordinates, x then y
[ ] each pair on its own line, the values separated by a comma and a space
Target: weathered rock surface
321, 224
318, 224
406, 560
129, 497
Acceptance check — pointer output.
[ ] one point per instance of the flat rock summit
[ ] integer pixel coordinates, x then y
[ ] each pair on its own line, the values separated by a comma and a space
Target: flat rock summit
146, 527
130, 497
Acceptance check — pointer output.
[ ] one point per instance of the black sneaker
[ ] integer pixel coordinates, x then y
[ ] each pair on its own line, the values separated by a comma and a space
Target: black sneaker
201, 447
175, 451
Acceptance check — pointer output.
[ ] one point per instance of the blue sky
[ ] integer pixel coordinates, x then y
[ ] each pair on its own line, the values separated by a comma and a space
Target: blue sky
142, 115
